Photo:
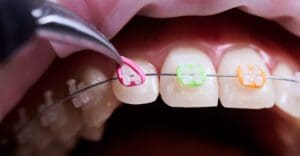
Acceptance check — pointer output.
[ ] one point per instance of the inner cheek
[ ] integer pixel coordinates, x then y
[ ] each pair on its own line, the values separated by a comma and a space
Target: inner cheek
152, 39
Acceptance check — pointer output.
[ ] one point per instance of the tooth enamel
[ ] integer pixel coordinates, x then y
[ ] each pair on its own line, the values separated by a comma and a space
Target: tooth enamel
190, 93
92, 133
236, 92
61, 119
102, 102
141, 94
287, 98
83, 98
31, 133
73, 124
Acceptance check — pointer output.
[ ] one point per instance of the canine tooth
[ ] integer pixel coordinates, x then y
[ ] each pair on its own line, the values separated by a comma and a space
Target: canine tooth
245, 92
83, 98
287, 96
92, 133
141, 94
104, 102
189, 91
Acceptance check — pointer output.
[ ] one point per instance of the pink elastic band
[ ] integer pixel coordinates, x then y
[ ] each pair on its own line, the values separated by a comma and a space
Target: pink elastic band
135, 68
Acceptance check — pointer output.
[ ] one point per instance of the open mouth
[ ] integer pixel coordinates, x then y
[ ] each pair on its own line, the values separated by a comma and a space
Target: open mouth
171, 115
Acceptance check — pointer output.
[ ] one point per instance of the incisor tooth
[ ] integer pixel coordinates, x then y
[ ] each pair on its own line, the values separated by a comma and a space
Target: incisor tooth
191, 88
140, 94
286, 97
103, 103
239, 93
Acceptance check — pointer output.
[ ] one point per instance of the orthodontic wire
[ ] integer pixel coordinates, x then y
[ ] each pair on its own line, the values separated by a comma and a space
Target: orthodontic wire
78, 92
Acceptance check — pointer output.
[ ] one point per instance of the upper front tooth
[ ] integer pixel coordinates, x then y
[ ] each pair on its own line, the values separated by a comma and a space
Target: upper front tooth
140, 94
287, 98
250, 89
191, 87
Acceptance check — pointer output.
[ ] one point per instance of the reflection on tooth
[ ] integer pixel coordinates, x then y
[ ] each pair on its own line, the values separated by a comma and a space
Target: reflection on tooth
287, 93
130, 74
92, 133
174, 93
141, 94
258, 94
251, 76
103, 101
191, 75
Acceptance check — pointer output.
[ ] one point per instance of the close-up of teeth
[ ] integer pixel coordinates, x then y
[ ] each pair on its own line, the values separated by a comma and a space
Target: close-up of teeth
236, 94
138, 77
287, 95
140, 94
177, 92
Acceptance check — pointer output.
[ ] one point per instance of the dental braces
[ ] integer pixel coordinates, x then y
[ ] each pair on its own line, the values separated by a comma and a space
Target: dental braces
130, 74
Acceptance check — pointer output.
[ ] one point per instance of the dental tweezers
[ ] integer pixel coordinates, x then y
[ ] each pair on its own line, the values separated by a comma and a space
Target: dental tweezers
19, 20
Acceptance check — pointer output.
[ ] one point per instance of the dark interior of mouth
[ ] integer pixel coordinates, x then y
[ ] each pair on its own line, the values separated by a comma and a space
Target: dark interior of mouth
156, 129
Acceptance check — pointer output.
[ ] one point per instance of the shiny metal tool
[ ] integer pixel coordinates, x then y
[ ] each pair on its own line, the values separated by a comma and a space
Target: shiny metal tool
59, 24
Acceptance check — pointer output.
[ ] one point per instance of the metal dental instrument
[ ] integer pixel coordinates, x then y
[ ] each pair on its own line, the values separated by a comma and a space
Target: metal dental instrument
20, 20
59, 24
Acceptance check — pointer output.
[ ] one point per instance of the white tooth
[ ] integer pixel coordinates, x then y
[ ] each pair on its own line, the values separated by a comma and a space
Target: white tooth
286, 96
141, 94
102, 101
92, 133
177, 95
235, 95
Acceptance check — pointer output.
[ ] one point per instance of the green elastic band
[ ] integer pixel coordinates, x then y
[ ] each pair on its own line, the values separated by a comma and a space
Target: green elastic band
192, 75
